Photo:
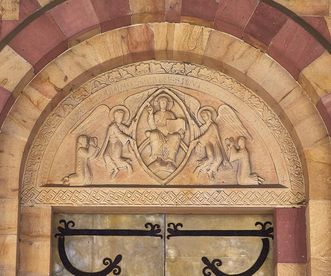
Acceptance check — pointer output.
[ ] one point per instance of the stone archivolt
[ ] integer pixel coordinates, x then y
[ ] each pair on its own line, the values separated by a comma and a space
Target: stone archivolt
164, 125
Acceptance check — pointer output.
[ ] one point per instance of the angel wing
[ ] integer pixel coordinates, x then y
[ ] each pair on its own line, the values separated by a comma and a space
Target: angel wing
94, 123
229, 124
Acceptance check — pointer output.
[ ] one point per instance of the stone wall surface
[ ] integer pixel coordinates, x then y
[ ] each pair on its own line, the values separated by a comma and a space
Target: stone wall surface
283, 63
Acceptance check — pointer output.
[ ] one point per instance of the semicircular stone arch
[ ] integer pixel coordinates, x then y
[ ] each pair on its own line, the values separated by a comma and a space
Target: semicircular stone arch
176, 43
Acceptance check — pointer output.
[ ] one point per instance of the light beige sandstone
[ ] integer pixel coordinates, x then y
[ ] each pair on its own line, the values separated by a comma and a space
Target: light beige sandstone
307, 7
231, 55
13, 68
318, 160
147, 11
11, 150
289, 269
307, 125
163, 40
272, 77
9, 211
35, 222
107, 47
78, 39
44, 2
9, 9
316, 78
328, 20
34, 256
35, 241
319, 267
190, 42
319, 237
8, 245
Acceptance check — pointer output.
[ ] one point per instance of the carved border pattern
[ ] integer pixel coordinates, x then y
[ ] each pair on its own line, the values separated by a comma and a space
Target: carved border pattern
32, 194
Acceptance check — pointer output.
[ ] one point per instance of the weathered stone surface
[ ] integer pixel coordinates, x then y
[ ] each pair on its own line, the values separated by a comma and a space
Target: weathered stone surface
144, 11
26, 8
232, 16
265, 23
112, 13
190, 42
9, 211
307, 7
273, 78
306, 125
32, 250
324, 108
291, 269
290, 235
294, 48
18, 67
203, 9
9, 10
173, 10
320, 24
48, 42
75, 17
35, 223
8, 245
319, 168
316, 79
163, 40
319, 236
4, 96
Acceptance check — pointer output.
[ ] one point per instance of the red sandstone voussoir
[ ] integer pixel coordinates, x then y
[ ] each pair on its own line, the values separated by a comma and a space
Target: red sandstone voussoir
27, 7
232, 16
264, 24
40, 42
202, 9
324, 108
319, 24
75, 17
112, 14
294, 48
173, 10
290, 235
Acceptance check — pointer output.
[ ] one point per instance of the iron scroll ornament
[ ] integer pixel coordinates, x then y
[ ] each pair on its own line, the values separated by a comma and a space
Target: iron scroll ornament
112, 266
154, 230
265, 233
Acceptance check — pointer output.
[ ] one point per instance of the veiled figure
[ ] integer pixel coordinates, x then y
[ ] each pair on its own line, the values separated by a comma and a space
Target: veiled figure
238, 152
166, 131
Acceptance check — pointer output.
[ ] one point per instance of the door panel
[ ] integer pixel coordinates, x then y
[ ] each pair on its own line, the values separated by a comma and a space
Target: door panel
140, 255
237, 254
163, 245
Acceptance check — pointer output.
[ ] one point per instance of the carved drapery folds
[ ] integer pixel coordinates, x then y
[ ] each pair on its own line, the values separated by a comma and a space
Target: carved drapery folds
171, 126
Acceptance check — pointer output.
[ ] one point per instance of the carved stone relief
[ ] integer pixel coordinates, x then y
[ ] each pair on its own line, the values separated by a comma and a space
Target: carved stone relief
167, 125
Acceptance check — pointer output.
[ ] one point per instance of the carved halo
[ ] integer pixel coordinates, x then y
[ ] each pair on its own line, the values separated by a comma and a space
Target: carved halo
125, 110
164, 95
209, 109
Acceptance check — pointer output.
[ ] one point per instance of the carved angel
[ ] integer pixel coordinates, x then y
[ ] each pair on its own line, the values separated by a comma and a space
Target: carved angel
86, 149
118, 135
238, 152
210, 137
